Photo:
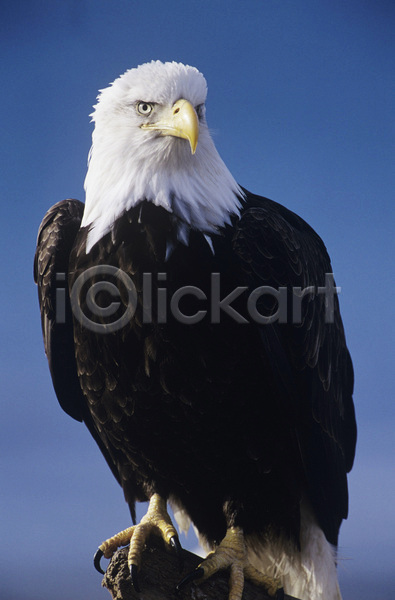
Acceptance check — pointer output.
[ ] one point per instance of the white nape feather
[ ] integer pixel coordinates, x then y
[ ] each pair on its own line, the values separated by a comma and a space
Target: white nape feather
128, 164
210, 243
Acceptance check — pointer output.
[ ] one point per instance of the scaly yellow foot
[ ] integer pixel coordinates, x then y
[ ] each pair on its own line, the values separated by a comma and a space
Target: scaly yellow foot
157, 521
232, 553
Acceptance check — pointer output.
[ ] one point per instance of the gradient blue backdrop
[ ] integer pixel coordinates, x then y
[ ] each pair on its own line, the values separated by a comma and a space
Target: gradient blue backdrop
301, 103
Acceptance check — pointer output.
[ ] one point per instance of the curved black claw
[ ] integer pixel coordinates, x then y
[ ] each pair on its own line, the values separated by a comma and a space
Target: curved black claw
280, 594
196, 574
96, 560
175, 544
134, 578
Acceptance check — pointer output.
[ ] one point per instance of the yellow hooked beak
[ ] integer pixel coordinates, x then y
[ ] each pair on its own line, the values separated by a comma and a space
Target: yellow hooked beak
182, 122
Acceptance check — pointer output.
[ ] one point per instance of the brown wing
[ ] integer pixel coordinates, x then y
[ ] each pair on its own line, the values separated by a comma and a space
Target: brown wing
309, 358
55, 240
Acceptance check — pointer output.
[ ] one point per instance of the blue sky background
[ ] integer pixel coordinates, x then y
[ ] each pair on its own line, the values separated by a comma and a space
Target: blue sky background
301, 103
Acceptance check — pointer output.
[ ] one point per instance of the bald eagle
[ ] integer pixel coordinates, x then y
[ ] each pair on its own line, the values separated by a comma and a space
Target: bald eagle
195, 328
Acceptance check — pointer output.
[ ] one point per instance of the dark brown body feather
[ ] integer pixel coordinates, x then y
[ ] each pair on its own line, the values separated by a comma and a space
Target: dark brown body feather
235, 420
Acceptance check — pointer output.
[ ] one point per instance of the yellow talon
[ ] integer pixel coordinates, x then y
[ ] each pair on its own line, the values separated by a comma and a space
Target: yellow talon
156, 520
232, 553
116, 541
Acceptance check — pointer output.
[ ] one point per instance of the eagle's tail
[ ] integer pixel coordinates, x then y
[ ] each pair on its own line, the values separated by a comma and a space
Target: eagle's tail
308, 574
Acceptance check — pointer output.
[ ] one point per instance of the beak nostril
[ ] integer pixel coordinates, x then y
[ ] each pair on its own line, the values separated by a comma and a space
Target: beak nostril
177, 110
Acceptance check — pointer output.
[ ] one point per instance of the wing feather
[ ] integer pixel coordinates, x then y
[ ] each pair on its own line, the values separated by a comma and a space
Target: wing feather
56, 237
310, 361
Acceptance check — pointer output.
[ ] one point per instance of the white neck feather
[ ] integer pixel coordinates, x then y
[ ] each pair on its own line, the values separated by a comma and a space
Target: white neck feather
128, 165
199, 189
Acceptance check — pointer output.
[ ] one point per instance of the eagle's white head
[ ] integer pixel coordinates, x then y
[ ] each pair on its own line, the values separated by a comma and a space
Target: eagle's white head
151, 142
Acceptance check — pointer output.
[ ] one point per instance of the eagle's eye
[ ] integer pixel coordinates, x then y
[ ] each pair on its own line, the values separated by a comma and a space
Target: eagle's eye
144, 108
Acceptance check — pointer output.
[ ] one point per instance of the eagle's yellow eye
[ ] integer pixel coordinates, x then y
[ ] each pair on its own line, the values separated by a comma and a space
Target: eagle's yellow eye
144, 108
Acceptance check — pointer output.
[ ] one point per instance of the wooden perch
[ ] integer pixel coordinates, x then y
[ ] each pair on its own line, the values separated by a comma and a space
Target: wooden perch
160, 574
